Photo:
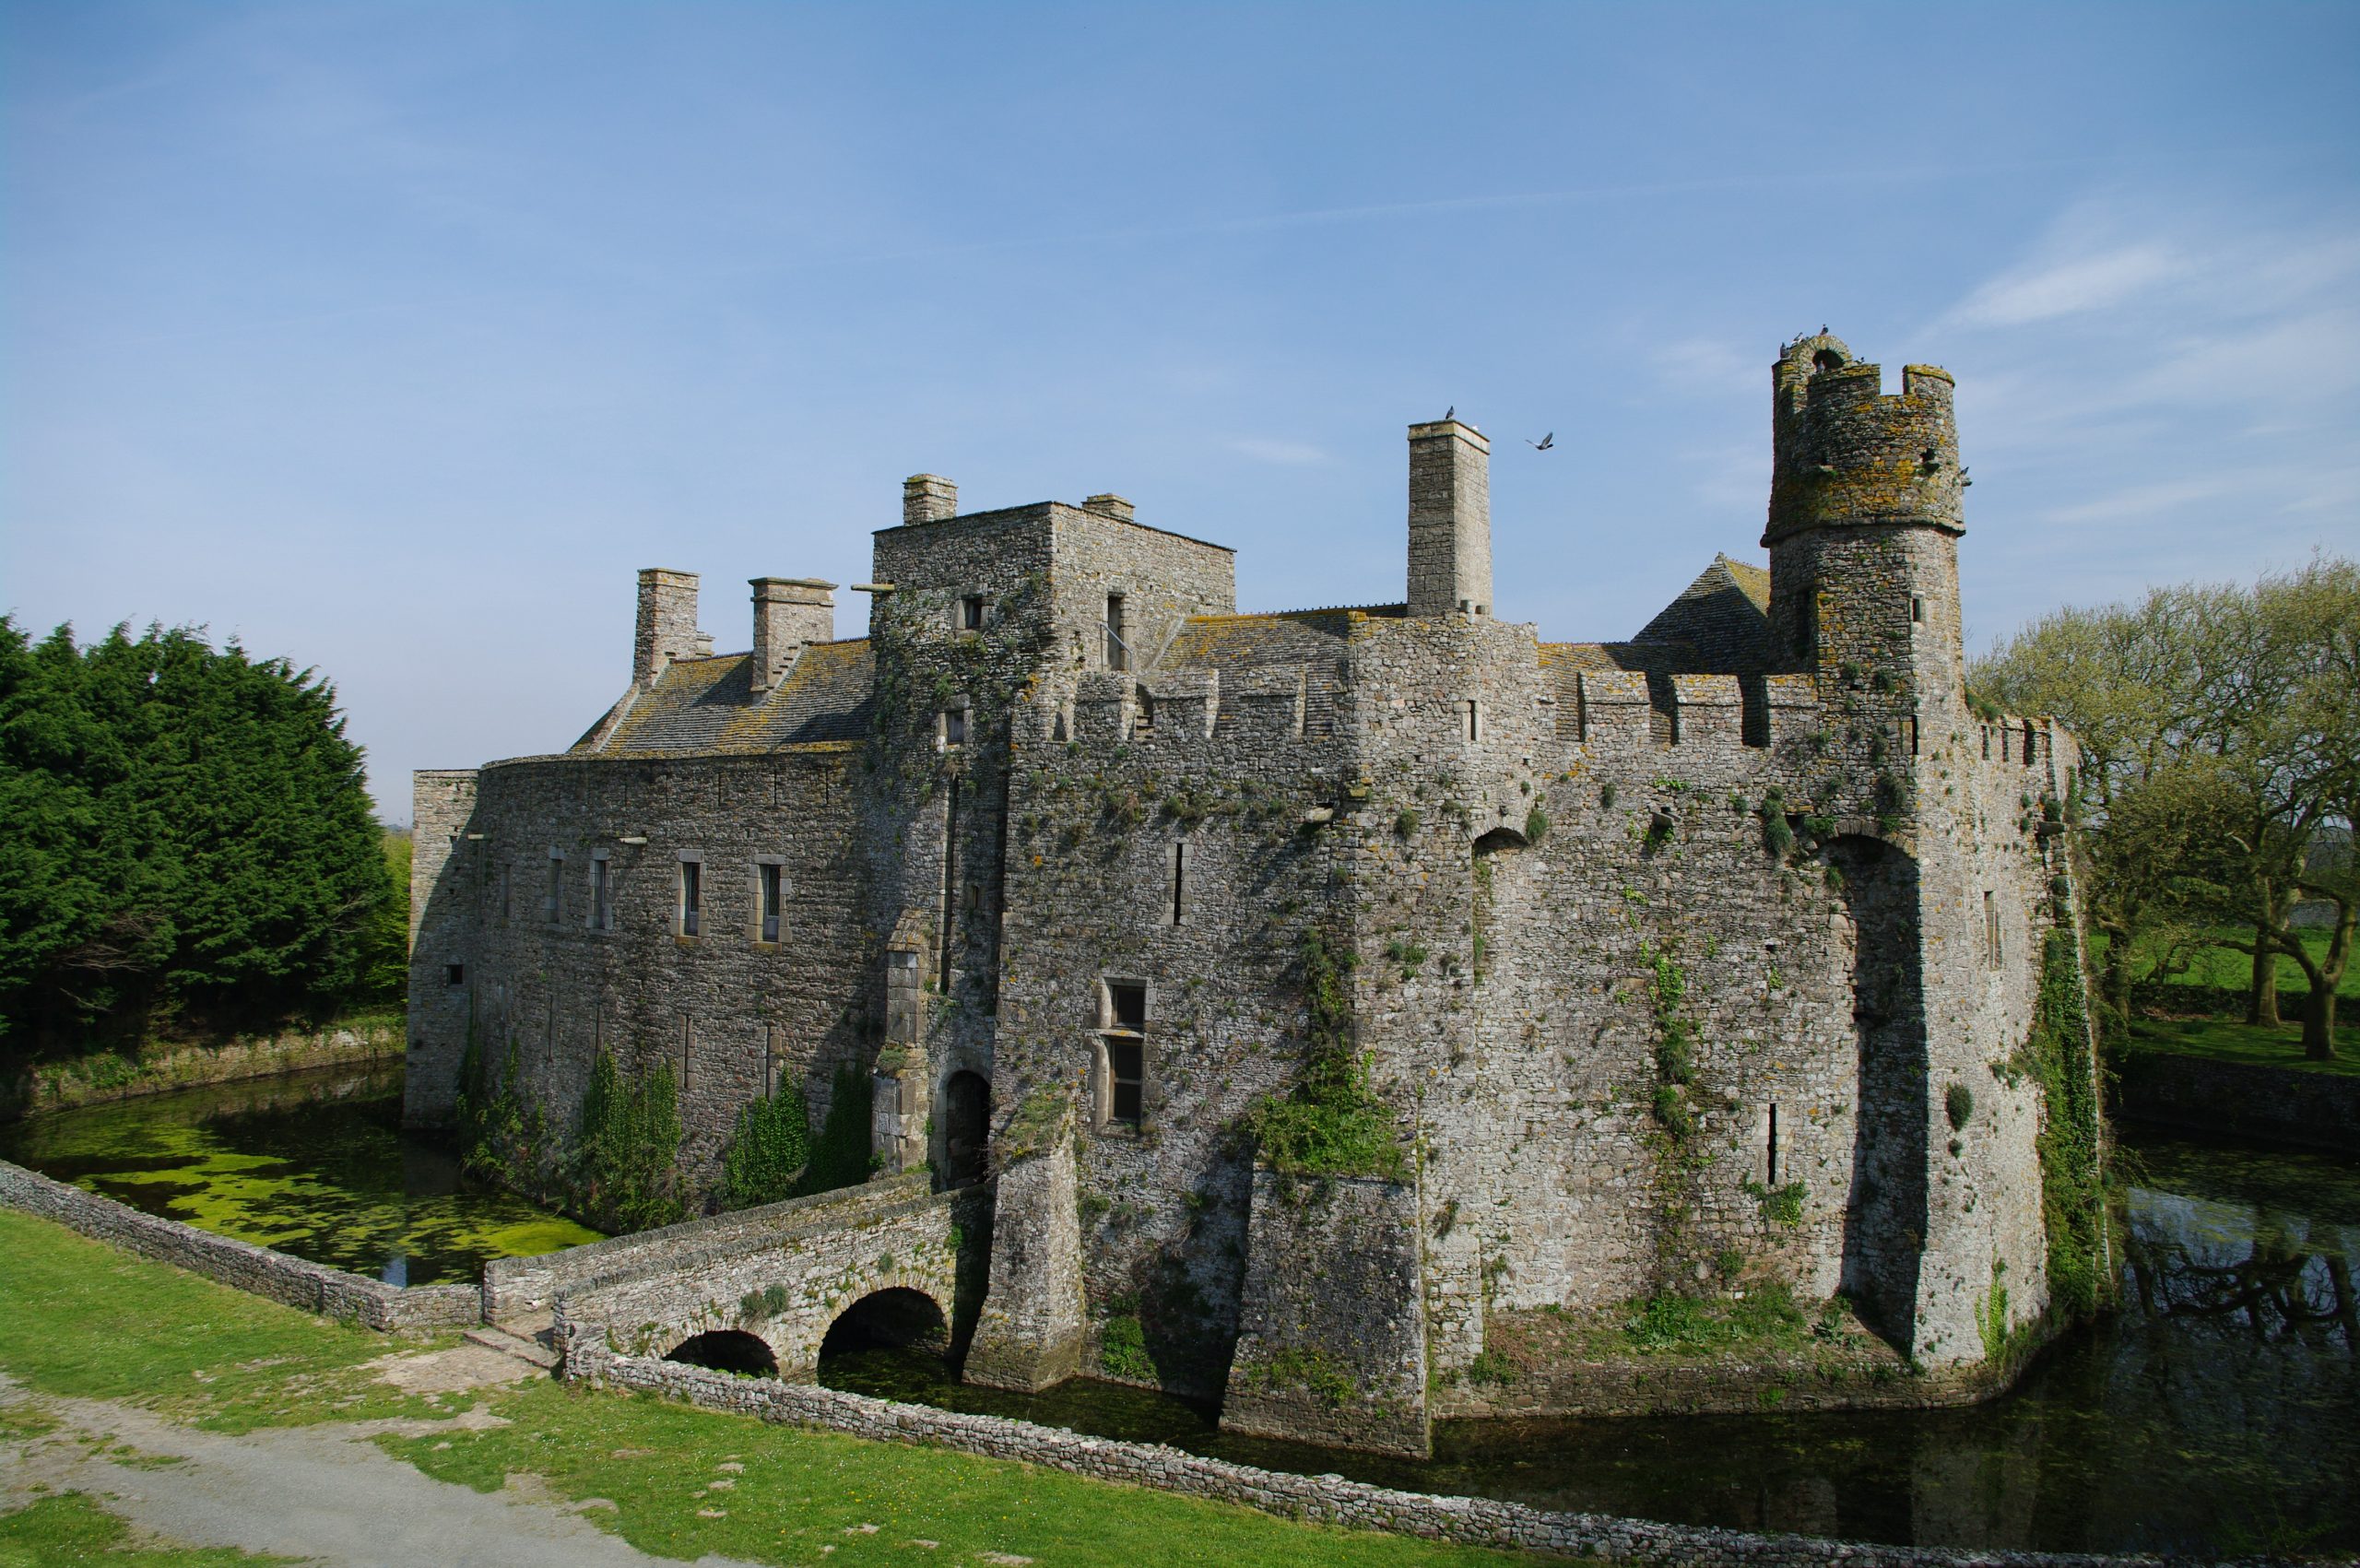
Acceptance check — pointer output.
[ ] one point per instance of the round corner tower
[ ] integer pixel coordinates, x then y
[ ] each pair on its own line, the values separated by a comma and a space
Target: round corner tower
1865, 516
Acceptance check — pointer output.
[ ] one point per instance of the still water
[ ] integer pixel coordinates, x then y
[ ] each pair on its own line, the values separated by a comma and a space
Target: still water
2217, 1413
313, 1164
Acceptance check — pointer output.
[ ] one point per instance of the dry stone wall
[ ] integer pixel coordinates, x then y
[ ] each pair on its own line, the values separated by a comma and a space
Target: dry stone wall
1327, 1499
240, 1265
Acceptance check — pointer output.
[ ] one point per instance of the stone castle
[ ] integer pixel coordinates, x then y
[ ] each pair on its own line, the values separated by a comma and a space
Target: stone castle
1678, 963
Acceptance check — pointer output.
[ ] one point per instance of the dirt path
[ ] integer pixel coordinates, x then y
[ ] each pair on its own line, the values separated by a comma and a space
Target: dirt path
325, 1494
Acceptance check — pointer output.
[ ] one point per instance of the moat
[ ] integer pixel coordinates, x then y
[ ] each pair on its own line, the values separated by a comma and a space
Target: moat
314, 1164
2213, 1415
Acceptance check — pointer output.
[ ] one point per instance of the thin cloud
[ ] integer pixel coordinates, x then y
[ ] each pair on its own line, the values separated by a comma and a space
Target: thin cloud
2072, 287
1286, 453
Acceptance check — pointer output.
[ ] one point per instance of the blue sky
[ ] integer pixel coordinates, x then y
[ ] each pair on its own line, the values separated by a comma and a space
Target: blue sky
394, 338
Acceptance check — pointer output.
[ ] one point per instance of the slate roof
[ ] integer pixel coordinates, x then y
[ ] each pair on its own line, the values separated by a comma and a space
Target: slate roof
702, 705
1723, 618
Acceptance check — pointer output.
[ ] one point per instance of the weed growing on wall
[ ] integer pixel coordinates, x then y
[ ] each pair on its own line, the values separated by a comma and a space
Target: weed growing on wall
624, 1171
2071, 1181
1122, 1347
768, 1151
1333, 1124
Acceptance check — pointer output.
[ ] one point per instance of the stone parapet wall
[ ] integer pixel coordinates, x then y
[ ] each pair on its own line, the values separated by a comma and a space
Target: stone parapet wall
1329, 1500
2282, 1105
521, 1284
240, 1265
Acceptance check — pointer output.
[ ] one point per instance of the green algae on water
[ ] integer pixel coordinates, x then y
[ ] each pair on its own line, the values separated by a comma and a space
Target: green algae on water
314, 1164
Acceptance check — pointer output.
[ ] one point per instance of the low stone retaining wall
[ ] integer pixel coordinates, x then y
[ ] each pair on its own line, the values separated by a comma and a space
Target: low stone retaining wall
58, 1088
2280, 1104
313, 1287
1329, 1499
526, 1284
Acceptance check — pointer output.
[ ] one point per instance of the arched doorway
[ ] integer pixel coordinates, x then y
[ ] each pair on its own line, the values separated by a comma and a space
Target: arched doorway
966, 1122
727, 1350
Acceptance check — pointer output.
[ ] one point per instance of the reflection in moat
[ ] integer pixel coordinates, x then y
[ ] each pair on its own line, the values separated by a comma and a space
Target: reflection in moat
2213, 1415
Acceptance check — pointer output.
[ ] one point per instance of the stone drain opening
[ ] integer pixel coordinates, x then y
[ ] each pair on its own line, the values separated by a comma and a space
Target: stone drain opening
727, 1350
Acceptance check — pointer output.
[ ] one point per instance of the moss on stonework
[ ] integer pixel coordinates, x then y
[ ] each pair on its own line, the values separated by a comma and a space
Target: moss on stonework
1039, 1118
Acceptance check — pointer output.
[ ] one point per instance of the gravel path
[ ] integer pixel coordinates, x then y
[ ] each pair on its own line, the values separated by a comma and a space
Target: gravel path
324, 1494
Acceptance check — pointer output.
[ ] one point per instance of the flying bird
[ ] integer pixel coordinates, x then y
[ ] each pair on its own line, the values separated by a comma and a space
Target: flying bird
1544, 444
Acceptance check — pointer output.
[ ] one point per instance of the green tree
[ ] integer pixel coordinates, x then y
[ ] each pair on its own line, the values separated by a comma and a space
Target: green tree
190, 835
2221, 735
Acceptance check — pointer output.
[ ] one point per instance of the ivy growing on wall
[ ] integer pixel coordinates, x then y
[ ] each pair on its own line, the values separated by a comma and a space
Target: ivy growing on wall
1332, 1124
768, 1151
2072, 1180
624, 1173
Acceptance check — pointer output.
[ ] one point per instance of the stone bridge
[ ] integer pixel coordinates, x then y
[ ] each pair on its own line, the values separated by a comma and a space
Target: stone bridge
760, 1291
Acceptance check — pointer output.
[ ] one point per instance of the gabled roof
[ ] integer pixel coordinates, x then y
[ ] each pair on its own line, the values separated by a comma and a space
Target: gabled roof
1723, 618
703, 705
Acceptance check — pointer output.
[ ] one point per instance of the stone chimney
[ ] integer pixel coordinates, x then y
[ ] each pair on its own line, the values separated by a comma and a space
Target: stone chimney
1450, 519
668, 622
789, 613
929, 497
1111, 506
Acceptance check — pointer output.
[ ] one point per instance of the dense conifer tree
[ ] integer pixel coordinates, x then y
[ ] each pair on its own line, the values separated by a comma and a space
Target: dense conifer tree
189, 842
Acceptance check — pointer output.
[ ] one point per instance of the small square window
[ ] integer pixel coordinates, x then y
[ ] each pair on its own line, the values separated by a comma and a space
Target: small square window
1127, 1007
454, 975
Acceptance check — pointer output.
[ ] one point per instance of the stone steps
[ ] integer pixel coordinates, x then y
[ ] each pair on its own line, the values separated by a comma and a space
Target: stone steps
534, 1350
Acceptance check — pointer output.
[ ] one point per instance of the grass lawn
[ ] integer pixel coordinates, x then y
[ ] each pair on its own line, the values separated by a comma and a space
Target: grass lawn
2225, 968
71, 1528
2234, 1040
83, 1319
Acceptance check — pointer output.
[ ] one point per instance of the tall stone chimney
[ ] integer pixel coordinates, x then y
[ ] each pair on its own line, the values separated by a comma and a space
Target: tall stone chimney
789, 612
667, 623
929, 497
1450, 519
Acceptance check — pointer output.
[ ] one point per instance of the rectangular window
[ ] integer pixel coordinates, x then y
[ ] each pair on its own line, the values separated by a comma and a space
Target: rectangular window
1772, 1162
691, 896
601, 910
1127, 1007
1909, 735
1126, 1072
971, 613
1118, 650
1471, 721
688, 1042
1179, 882
954, 726
1917, 610
1990, 932
553, 900
768, 878
455, 973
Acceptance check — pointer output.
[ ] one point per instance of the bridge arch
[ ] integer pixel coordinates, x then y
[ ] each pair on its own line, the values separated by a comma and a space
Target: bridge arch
727, 1350
897, 1316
